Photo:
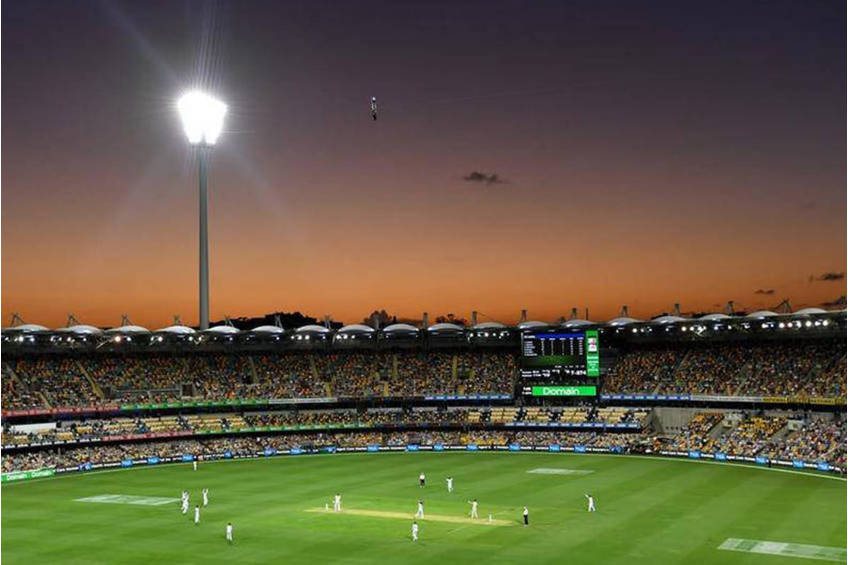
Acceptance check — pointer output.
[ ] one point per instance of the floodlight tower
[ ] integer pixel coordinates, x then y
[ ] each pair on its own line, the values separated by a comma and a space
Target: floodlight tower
203, 119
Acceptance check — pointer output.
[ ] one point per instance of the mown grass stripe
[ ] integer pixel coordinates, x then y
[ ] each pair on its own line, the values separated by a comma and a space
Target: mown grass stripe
785, 549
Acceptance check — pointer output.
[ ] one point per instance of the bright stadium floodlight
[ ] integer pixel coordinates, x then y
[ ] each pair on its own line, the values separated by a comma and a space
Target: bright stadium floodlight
203, 120
202, 116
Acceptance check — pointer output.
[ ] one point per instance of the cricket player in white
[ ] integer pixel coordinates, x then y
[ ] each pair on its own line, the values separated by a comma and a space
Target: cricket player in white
205, 497
420, 512
194, 464
591, 500
197, 515
473, 504
229, 532
185, 503
337, 503
414, 531
421, 480
450, 484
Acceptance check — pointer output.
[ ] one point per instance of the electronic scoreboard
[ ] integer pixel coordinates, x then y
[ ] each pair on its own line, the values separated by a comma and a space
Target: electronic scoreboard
556, 362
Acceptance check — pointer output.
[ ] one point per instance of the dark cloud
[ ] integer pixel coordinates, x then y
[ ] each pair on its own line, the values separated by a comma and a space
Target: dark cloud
764, 291
477, 176
828, 277
838, 303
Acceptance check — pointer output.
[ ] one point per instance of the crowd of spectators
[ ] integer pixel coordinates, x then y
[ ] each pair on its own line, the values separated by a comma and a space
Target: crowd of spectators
765, 369
60, 380
821, 439
809, 368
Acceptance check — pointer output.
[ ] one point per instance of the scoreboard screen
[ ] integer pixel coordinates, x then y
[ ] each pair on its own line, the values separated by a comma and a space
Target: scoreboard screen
555, 355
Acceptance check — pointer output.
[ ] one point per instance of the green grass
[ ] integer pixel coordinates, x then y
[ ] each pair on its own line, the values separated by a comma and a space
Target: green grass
649, 511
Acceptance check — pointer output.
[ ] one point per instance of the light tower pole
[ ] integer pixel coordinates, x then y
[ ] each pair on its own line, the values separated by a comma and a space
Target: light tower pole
203, 119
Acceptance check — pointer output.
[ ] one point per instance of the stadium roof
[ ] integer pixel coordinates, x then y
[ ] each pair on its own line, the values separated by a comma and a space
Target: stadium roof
268, 330
81, 329
356, 329
489, 326
808, 311
179, 330
577, 322
312, 328
714, 317
623, 321
222, 330
26, 328
759, 314
668, 320
444, 326
532, 324
128, 330
400, 328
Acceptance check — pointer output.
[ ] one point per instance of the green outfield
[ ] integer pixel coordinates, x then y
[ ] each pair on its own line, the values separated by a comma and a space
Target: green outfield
648, 511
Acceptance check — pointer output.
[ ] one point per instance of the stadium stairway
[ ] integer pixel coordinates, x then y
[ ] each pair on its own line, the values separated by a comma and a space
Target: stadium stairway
746, 371
252, 365
14, 376
96, 387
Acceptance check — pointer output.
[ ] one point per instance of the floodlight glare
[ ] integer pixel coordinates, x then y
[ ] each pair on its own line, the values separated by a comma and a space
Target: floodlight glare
202, 116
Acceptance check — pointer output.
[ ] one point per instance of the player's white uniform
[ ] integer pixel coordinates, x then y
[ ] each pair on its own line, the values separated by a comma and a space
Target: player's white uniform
591, 503
196, 515
420, 512
194, 464
230, 533
421, 480
450, 484
185, 503
414, 532
474, 509
205, 497
337, 503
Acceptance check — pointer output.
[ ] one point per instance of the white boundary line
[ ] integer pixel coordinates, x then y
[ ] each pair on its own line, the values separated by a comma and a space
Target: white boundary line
72, 474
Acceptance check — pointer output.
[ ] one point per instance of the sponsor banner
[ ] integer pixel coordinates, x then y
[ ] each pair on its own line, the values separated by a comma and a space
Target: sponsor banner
695, 454
579, 449
438, 447
269, 452
188, 457
472, 447
152, 460
412, 447
563, 390
26, 475
760, 460
127, 463
720, 456
228, 455
514, 447
373, 448
823, 466
296, 451
554, 447
798, 464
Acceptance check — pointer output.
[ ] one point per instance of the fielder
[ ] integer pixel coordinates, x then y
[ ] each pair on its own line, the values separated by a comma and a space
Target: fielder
196, 515
420, 512
526, 515
205, 497
229, 533
414, 531
591, 500
450, 484
421, 480
473, 504
194, 464
337, 503
185, 503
